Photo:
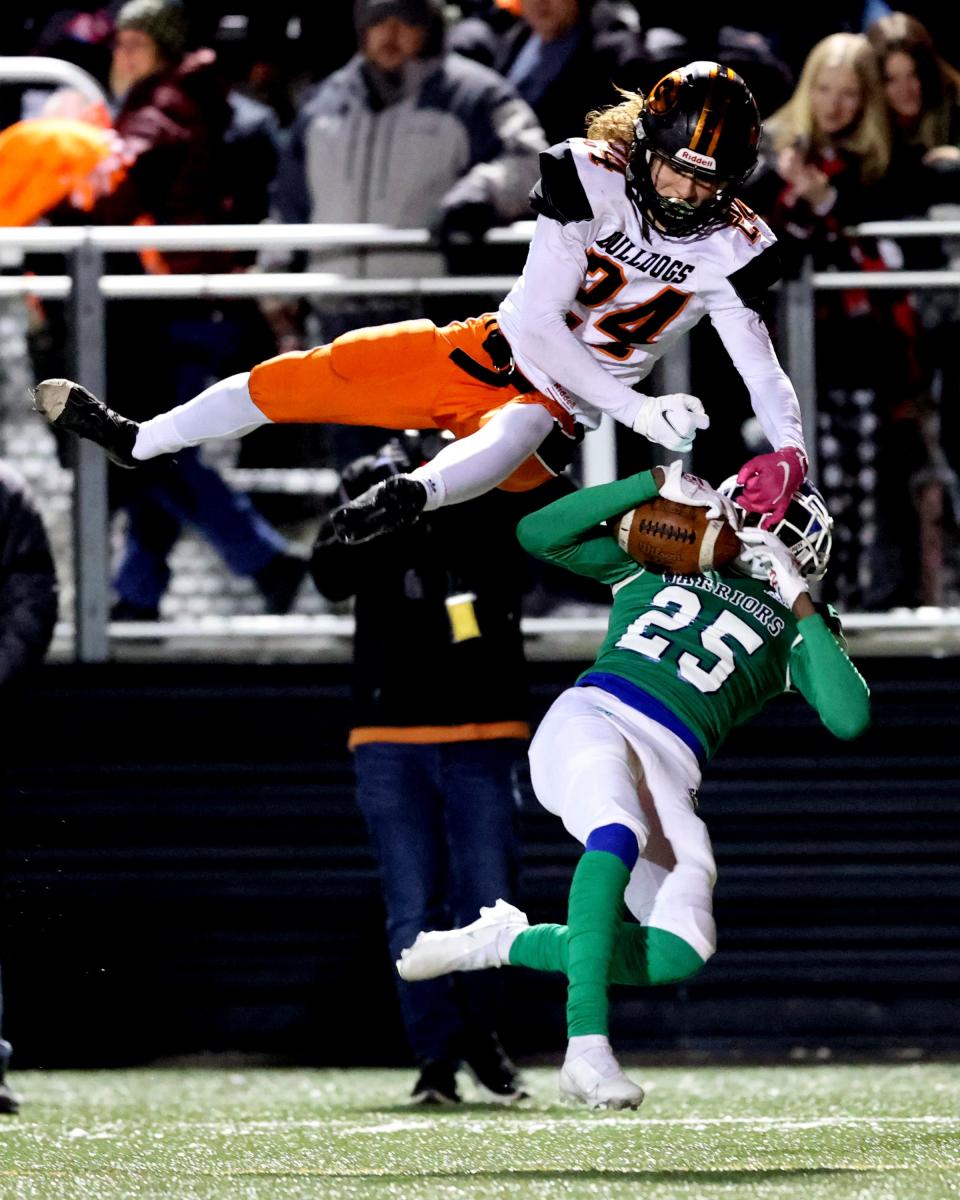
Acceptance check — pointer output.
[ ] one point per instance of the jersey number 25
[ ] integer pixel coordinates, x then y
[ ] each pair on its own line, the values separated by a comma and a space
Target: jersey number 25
682, 609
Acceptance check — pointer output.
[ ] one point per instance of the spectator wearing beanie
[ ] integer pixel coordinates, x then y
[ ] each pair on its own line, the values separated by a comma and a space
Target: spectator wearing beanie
173, 117
410, 135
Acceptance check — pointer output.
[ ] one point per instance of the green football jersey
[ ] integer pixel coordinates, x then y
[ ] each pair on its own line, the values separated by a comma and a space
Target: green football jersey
713, 648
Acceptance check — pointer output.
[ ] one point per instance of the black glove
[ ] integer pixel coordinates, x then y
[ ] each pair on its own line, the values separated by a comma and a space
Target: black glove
465, 223
370, 469
396, 503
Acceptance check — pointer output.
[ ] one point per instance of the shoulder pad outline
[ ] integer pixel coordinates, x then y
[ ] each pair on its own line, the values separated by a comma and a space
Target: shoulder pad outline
754, 279
559, 193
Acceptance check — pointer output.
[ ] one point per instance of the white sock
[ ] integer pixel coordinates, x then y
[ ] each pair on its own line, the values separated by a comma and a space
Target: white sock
224, 410
505, 940
599, 1043
432, 480
474, 464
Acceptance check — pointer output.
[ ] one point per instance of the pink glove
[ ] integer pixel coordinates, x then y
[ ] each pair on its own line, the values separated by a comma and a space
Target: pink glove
769, 481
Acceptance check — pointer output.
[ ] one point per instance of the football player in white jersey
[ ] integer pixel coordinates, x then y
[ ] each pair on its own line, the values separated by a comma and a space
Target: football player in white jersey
639, 235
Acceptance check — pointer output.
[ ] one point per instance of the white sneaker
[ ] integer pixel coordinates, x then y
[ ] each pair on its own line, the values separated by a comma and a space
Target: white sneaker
595, 1078
473, 948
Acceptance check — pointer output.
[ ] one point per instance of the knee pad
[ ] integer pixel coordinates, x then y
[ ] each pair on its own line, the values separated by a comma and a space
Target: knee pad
692, 847
684, 907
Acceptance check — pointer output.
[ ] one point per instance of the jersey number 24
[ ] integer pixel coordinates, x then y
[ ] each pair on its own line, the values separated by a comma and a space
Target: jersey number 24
630, 327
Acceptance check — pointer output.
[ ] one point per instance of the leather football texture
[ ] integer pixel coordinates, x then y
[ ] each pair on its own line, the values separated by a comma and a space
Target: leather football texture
669, 536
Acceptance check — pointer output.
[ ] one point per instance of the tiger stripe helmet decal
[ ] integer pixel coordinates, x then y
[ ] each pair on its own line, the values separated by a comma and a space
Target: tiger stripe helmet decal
710, 121
703, 120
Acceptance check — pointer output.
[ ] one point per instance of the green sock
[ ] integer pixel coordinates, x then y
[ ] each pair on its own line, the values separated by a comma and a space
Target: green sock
541, 947
647, 956
594, 914
641, 955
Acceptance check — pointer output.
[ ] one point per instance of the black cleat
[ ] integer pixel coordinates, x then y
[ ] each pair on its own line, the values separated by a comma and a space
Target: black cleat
9, 1103
493, 1072
436, 1084
67, 405
394, 504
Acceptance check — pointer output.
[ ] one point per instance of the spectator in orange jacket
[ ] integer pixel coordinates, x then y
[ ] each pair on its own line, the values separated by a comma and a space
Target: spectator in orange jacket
173, 117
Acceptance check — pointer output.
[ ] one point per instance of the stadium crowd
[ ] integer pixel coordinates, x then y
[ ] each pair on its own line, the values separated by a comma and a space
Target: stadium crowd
316, 113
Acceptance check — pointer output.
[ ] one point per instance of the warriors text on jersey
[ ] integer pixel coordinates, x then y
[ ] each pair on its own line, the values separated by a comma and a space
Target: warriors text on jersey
604, 295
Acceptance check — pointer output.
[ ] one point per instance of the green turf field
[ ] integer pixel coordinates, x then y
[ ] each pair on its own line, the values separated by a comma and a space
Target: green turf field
813, 1132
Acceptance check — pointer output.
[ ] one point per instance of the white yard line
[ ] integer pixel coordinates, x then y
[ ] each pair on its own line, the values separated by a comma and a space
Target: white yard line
542, 1125
342, 1127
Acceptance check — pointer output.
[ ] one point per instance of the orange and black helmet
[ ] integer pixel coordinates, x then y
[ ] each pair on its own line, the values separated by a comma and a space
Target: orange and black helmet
703, 120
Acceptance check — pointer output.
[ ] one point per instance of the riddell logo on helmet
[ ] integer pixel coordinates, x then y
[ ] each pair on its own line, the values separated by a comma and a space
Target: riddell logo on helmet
703, 161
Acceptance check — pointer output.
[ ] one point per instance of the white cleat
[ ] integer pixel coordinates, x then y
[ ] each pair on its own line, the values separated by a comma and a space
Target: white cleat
483, 943
594, 1078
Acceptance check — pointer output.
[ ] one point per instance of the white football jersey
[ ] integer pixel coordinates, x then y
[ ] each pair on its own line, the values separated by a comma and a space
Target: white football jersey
603, 295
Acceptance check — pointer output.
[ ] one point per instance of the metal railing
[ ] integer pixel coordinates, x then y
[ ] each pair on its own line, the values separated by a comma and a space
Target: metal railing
50, 72
925, 631
87, 287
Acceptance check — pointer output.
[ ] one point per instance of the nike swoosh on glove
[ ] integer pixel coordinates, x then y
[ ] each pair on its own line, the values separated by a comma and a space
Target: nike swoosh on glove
691, 489
763, 548
769, 481
393, 504
671, 420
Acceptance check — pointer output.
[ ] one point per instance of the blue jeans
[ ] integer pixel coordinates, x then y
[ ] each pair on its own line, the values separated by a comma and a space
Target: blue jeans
191, 493
159, 504
442, 818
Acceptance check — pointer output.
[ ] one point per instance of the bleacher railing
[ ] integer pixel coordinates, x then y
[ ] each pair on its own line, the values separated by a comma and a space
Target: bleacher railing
87, 286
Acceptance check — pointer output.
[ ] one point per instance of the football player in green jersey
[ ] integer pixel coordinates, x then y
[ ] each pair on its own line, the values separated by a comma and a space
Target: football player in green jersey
619, 755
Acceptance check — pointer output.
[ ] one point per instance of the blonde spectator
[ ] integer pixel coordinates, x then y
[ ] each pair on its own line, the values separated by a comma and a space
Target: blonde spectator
830, 161
835, 124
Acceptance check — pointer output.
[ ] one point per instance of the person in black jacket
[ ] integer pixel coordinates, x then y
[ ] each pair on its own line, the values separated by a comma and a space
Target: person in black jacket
28, 614
564, 57
439, 723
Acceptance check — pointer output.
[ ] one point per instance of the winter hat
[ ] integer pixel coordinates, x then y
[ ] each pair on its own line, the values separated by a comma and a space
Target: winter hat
161, 20
414, 12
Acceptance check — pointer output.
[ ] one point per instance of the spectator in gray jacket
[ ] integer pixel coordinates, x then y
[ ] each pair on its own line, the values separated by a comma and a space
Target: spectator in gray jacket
28, 613
405, 134
408, 134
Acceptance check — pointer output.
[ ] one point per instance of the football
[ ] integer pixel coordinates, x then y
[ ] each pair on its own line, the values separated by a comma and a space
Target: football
676, 537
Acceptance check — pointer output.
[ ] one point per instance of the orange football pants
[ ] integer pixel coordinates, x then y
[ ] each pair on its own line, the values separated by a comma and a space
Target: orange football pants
400, 376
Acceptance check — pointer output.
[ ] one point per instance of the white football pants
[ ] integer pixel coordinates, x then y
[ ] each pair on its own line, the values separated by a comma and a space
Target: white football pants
595, 761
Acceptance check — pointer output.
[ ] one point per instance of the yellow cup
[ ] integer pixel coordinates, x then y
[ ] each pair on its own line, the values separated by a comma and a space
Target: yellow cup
463, 617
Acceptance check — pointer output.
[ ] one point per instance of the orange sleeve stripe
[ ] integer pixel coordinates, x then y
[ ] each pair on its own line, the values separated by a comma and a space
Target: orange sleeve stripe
427, 734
